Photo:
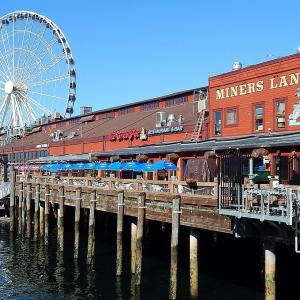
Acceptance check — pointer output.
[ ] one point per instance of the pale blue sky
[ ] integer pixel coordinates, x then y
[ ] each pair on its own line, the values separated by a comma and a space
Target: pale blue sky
127, 51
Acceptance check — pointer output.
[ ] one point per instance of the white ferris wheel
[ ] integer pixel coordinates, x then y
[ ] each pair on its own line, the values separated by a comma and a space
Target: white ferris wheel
37, 73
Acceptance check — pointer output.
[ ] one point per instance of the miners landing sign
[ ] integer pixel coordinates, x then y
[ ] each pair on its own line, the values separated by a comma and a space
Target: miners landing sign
258, 86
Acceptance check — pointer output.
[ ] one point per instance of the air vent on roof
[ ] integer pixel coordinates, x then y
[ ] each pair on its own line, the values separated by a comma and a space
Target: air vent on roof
71, 135
57, 115
57, 135
171, 120
161, 119
87, 118
236, 66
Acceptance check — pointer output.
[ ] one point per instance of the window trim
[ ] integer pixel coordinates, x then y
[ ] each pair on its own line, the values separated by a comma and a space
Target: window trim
254, 105
236, 108
281, 99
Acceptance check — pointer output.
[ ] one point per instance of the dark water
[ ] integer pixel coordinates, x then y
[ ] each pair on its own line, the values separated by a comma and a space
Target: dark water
31, 270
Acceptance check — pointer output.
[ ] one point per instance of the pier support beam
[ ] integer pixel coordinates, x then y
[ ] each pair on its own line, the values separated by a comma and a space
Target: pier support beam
91, 240
133, 245
270, 268
119, 259
194, 263
23, 208
77, 220
139, 237
42, 220
12, 175
28, 209
36, 211
47, 210
60, 218
174, 247
20, 186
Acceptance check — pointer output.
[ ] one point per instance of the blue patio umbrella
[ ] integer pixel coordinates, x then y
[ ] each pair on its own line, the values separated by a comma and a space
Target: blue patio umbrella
66, 167
45, 167
132, 165
164, 165
116, 166
79, 166
147, 167
90, 166
55, 167
102, 166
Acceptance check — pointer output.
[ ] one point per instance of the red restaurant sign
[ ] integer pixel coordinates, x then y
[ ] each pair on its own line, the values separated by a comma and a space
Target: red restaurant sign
128, 135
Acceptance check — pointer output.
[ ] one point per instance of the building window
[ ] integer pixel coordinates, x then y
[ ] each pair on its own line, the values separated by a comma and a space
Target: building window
126, 110
60, 124
258, 117
218, 122
280, 114
176, 101
74, 121
150, 105
231, 117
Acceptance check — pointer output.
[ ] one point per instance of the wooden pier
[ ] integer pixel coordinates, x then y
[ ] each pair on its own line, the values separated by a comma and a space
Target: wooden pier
174, 203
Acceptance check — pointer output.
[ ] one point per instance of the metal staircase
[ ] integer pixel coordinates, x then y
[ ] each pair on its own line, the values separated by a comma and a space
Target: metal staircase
198, 127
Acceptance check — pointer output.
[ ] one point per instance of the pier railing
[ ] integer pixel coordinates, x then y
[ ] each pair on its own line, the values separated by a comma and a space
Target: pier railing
276, 204
198, 205
157, 186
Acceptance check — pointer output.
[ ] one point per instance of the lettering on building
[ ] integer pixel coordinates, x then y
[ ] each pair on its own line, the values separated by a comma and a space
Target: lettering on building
128, 135
41, 146
257, 86
163, 130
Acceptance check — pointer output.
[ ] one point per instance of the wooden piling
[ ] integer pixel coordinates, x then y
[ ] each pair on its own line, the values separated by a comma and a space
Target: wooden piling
60, 218
120, 216
28, 209
12, 175
42, 220
270, 269
193, 263
36, 211
91, 238
139, 237
47, 210
77, 220
174, 247
133, 245
23, 208
20, 186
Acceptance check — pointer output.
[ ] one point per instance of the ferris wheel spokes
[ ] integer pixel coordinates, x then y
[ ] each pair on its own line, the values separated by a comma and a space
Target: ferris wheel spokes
37, 73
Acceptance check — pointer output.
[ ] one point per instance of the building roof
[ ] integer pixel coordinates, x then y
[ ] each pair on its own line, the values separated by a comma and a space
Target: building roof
106, 126
118, 107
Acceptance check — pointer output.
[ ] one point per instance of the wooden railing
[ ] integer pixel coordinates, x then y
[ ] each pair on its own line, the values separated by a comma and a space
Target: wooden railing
158, 186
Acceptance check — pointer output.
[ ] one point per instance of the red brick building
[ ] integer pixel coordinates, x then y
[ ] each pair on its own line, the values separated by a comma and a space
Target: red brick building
165, 119
255, 100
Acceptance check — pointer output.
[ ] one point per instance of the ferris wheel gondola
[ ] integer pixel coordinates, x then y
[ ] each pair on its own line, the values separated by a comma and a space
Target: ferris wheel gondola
37, 70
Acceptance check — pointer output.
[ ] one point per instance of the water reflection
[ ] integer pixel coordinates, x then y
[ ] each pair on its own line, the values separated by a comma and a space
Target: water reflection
32, 270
